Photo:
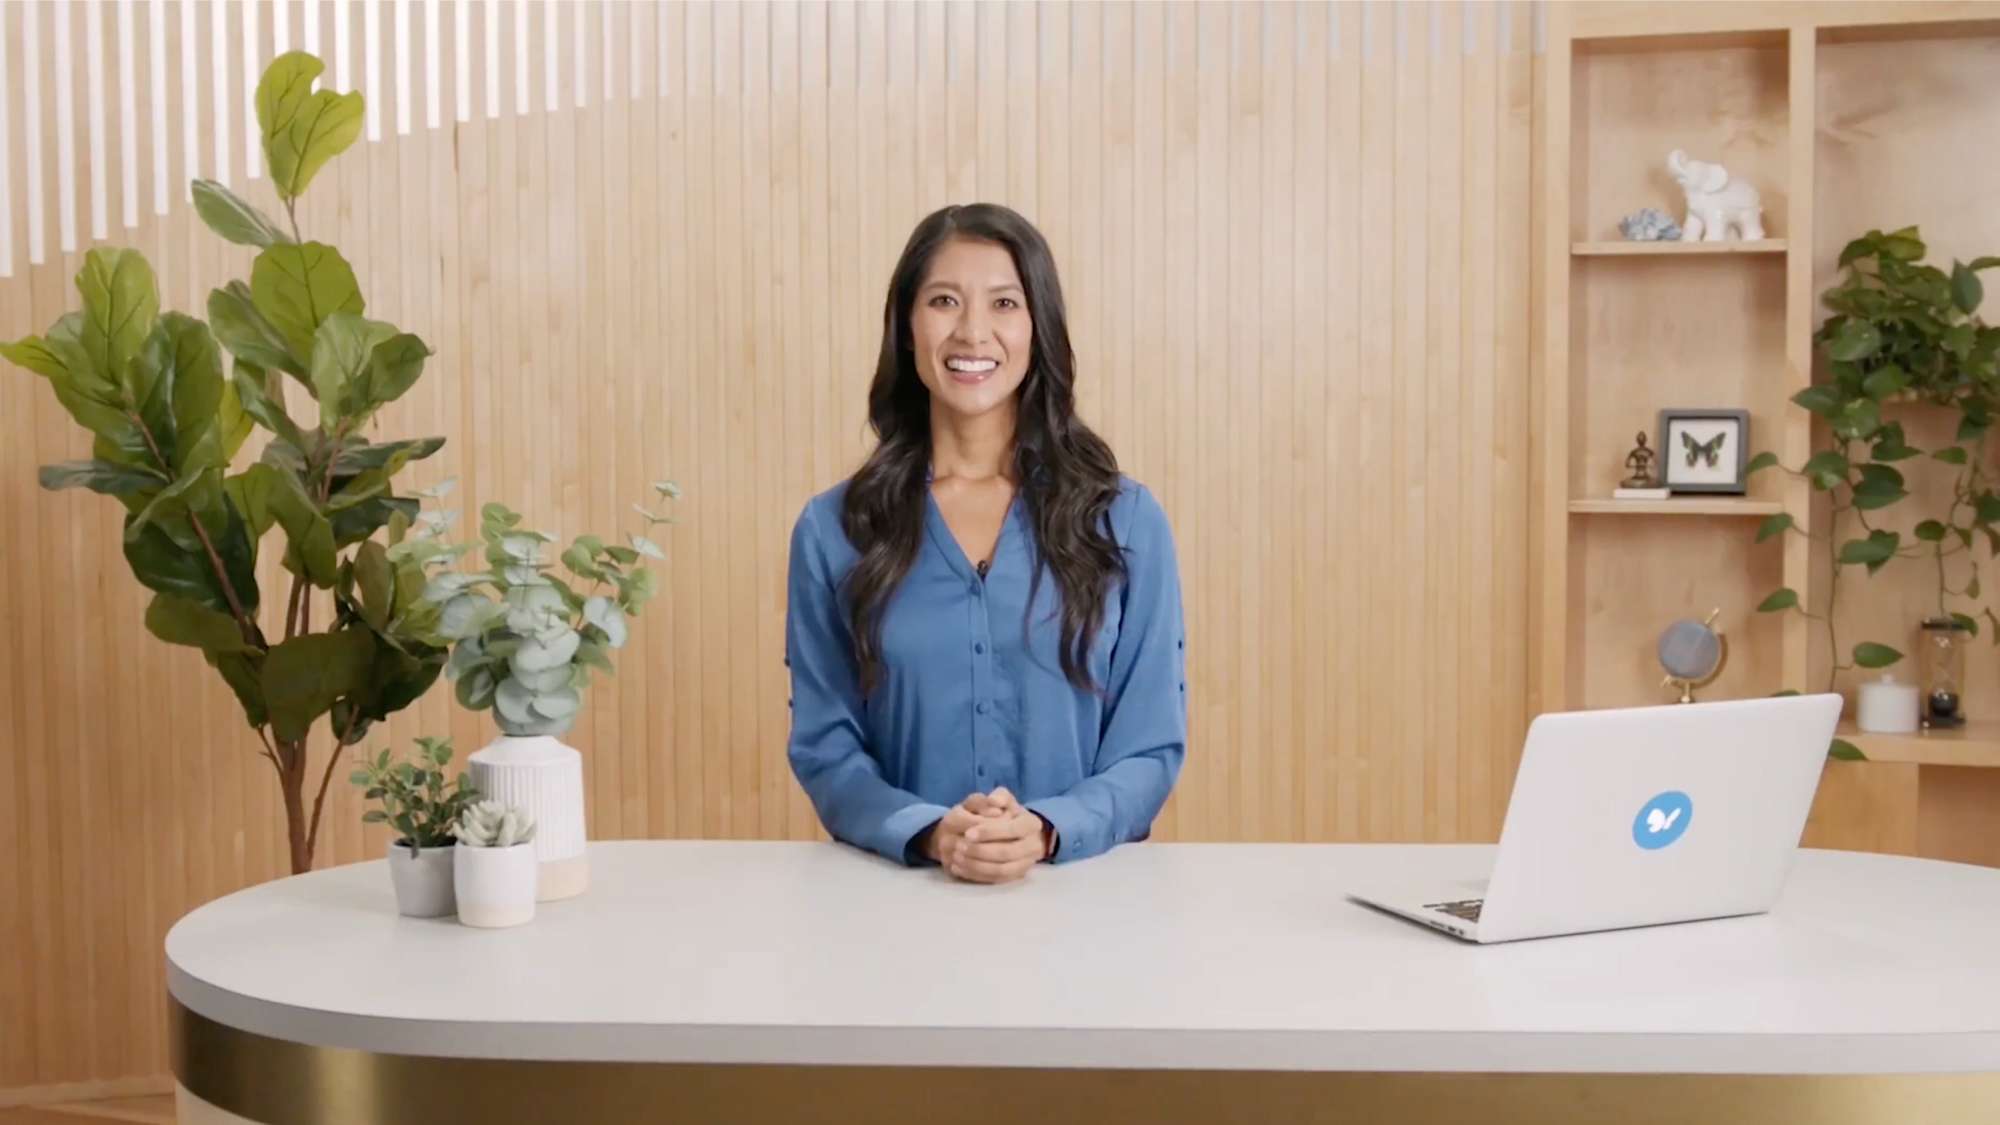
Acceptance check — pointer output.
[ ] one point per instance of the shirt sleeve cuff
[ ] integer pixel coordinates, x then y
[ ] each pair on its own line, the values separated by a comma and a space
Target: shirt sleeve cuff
1072, 826
903, 826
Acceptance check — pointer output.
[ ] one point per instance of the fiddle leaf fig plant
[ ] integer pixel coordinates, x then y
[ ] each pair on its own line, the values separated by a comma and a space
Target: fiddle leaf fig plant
1902, 331
167, 424
526, 639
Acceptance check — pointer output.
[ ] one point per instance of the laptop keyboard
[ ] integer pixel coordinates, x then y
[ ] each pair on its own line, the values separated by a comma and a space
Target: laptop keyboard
1467, 909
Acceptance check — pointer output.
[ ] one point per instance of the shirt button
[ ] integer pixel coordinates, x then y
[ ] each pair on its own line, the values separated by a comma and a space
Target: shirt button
979, 647
981, 708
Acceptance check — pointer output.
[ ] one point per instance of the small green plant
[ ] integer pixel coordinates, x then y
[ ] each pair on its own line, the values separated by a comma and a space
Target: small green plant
490, 824
1901, 331
415, 800
527, 640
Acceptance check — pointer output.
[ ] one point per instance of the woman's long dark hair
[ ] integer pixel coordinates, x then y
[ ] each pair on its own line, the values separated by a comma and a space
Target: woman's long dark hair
1066, 473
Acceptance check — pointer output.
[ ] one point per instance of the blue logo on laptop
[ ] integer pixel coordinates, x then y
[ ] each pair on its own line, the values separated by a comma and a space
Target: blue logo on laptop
1662, 820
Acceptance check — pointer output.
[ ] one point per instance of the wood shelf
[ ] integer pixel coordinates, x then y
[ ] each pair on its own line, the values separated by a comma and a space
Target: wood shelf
1682, 506
1618, 248
1977, 743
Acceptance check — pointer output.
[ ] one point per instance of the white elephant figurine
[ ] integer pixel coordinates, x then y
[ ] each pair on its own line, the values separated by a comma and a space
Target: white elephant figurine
1716, 201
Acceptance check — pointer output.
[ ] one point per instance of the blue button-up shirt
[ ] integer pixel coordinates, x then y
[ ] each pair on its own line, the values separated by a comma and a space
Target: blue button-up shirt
971, 694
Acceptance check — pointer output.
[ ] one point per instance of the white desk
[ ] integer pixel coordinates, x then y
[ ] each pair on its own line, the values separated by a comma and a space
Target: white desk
816, 966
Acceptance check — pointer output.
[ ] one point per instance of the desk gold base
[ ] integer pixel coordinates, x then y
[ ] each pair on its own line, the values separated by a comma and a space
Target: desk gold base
232, 1077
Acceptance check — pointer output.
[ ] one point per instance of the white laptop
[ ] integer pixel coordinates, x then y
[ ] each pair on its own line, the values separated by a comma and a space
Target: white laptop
1637, 817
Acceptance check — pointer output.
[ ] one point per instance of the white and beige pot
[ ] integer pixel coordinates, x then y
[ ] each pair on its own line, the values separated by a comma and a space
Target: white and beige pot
495, 886
423, 879
544, 778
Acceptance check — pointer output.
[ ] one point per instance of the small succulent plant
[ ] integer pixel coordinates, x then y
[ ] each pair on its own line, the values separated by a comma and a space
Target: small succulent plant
526, 639
491, 824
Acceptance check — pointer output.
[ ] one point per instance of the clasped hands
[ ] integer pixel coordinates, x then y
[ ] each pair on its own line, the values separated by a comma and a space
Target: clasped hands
988, 838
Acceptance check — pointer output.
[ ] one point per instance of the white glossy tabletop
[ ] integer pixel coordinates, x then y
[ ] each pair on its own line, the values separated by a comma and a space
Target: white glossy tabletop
1156, 955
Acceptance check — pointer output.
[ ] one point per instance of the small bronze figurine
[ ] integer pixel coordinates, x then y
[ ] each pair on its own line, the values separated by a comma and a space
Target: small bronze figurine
1641, 463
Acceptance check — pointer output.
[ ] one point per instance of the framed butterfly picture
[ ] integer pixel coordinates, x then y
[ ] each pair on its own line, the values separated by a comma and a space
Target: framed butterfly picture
1704, 450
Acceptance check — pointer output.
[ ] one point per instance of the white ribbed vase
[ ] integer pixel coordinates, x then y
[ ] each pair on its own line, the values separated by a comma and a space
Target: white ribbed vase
545, 778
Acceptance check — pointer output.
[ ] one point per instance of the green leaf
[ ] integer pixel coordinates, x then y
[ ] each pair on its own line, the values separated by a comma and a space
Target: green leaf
1894, 450
297, 287
1960, 339
303, 128
1868, 654
1969, 623
201, 433
1966, 291
1873, 493
1763, 460
360, 456
394, 366
356, 522
107, 477
1822, 399
1859, 419
1930, 531
1779, 599
1827, 469
1970, 427
245, 334
303, 677
275, 495
121, 304
374, 816
244, 673
1879, 547
177, 501
1886, 382
1951, 455
33, 353
1774, 525
1986, 508
376, 582
235, 220
178, 621
341, 349
625, 556
1845, 751
1856, 340
252, 387
165, 567
397, 677
1972, 586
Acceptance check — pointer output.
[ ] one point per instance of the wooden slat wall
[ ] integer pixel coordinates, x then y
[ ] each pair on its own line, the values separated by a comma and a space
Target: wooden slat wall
652, 239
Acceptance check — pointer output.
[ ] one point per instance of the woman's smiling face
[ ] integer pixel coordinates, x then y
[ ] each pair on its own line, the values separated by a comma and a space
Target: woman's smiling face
970, 329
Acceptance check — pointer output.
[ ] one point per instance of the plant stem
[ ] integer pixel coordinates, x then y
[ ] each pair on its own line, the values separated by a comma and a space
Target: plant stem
292, 213
319, 799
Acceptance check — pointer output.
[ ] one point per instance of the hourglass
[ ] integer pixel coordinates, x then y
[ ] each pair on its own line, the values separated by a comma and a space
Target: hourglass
1941, 665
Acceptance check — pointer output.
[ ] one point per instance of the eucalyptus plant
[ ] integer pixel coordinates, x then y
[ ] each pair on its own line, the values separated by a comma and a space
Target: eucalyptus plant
527, 639
167, 425
1902, 331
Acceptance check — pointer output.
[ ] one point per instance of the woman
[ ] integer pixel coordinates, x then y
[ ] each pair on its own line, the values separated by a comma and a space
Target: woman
983, 623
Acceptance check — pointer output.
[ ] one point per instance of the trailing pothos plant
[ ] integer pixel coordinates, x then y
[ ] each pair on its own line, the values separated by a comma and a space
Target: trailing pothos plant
167, 425
1901, 331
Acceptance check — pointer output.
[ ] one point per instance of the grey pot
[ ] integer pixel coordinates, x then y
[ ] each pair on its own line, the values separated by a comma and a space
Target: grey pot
422, 880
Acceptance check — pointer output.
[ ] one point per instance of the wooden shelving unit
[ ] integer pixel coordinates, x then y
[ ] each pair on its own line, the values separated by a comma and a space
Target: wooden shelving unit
1637, 327
1977, 743
1678, 506
1772, 91
1626, 249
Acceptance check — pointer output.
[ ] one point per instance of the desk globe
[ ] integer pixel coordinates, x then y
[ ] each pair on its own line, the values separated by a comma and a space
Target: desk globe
1693, 653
